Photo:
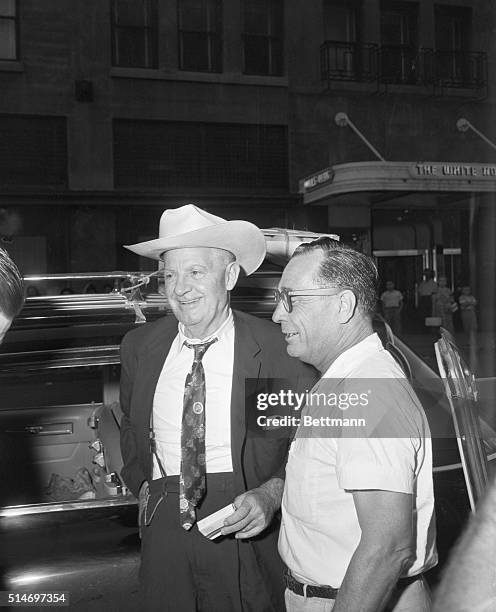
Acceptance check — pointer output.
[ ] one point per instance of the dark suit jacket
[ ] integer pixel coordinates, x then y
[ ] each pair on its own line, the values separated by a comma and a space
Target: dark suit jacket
259, 353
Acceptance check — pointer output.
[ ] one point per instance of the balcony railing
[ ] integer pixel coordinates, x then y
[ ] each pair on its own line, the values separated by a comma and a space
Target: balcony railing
348, 61
402, 65
460, 69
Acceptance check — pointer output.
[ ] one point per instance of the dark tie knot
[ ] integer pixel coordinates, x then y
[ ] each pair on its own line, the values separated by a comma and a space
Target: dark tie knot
200, 348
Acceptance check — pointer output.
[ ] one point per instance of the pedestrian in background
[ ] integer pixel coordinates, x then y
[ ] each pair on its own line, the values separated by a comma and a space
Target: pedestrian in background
443, 304
426, 289
392, 304
468, 315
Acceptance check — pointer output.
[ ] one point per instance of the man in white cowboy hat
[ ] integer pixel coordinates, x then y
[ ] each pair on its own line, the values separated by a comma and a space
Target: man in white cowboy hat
184, 435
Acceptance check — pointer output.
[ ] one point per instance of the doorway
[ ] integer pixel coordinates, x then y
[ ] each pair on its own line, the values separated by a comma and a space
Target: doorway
405, 269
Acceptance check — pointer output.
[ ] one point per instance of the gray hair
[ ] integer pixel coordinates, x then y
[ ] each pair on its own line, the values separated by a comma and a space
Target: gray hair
343, 266
11, 286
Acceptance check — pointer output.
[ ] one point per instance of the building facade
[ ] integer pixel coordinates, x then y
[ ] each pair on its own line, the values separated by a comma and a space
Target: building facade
112, 111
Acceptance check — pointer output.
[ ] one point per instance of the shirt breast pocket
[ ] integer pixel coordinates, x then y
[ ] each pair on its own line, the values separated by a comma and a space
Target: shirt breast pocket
303, 482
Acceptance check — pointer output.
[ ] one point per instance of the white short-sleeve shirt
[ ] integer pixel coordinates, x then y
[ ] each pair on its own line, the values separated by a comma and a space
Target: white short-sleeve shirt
320, 530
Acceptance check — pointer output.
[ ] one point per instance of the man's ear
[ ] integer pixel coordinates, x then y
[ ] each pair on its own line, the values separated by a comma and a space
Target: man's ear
347, 306
231, 275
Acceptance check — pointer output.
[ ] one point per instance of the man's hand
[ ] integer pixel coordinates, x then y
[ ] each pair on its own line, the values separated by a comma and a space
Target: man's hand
143, 495
254, 510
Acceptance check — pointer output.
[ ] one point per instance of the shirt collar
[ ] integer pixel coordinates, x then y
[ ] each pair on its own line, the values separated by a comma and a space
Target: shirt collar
349, 359
220, 333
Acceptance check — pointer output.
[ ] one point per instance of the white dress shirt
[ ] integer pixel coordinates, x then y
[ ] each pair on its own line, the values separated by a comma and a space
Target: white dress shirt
169, 393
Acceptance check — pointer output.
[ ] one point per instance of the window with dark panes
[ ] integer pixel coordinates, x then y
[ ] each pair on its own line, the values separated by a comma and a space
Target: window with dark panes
134, 33
161, 154
263, 36
341, 35
340, 20
200, 35
453, 60
399, 42
8, 30
33, 151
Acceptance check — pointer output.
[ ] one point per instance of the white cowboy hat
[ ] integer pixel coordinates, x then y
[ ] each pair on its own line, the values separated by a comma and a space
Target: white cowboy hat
190, 226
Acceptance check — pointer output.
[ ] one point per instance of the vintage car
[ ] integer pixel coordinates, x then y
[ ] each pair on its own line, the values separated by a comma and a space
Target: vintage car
67, 521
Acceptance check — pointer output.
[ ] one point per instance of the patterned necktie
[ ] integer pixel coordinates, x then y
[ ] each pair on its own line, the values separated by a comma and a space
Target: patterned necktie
192, 477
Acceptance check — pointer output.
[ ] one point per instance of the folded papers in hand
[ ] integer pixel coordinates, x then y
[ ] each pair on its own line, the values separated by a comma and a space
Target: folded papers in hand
211, 525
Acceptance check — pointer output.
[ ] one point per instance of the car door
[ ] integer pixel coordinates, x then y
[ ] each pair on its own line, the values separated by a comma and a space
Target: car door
475, 437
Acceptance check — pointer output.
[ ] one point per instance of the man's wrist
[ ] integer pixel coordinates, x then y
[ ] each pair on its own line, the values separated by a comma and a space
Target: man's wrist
272, 491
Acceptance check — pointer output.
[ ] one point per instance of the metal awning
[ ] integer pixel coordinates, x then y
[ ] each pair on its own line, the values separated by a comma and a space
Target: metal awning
358, 182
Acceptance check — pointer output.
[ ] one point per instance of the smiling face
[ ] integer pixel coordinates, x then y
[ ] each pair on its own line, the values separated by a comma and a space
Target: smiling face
313, 326
4, 325
197, 282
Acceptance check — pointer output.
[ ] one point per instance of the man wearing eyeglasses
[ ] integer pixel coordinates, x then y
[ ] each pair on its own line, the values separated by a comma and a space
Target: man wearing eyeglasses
358, 527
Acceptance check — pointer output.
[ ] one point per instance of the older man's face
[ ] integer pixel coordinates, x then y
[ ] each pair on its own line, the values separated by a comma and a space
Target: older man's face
311, 327
197, 281
4, 325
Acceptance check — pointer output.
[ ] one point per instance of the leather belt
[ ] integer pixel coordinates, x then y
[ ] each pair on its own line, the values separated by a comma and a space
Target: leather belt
328, 592
325, 592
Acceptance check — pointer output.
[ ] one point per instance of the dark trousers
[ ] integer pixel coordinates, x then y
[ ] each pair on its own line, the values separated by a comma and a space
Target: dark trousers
183, 571
392, 314
425, 306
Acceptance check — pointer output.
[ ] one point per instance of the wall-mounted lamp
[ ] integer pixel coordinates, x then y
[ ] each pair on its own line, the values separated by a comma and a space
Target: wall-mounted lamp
462, 125
342, 120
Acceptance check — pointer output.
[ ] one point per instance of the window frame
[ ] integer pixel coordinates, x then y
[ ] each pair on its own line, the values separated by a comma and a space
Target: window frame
213, 34
150, 30
409, 12
344, 56
461, 15
15, 19
403, 55
273, 7
453, 62
353, 9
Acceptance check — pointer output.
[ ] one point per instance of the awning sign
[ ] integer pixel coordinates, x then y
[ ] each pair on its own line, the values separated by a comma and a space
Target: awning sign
316, 180
453, 170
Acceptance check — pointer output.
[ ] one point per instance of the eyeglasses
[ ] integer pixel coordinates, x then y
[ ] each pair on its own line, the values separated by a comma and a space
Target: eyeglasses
285, 295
